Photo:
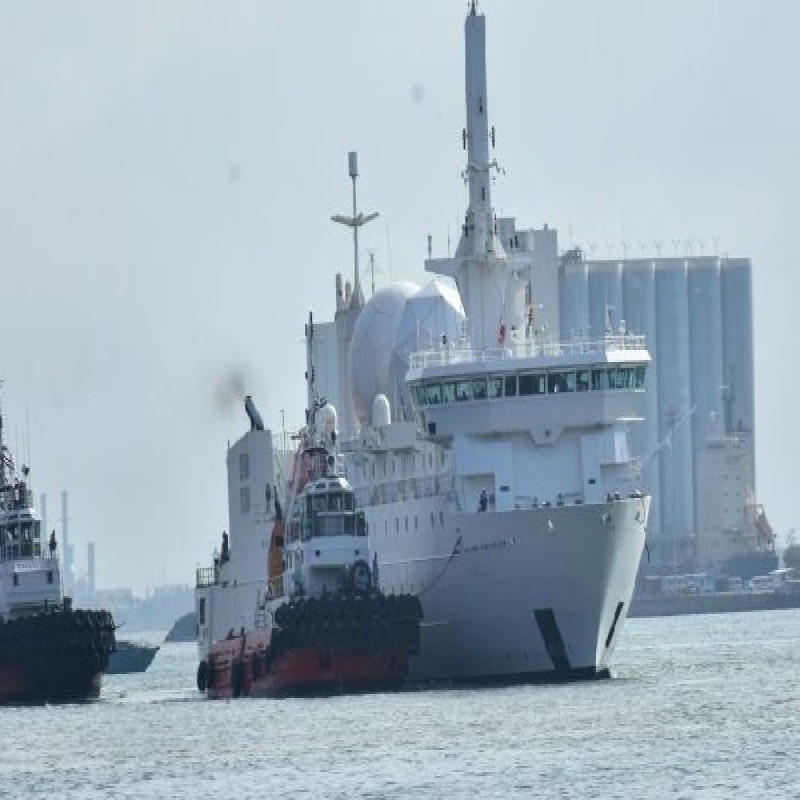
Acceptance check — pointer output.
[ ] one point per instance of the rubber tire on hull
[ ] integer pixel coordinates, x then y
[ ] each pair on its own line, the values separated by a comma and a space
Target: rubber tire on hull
237, 678
203, 675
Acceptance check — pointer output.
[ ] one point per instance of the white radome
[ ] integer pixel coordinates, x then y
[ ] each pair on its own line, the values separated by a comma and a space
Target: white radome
370, 358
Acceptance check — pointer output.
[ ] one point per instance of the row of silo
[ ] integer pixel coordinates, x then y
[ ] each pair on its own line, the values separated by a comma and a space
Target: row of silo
696, 314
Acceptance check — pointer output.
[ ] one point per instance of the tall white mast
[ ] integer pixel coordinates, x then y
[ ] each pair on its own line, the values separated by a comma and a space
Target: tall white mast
355, 222
492, 295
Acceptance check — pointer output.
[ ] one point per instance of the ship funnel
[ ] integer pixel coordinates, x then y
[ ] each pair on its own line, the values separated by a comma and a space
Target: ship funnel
256, 423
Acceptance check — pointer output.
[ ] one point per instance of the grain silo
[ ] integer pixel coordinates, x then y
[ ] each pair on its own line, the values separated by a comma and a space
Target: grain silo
674, 421
705, 353
639, 304
737, 351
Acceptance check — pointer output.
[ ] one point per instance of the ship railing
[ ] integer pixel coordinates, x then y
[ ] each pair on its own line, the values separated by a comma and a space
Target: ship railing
206, 576
445, 354
275, 587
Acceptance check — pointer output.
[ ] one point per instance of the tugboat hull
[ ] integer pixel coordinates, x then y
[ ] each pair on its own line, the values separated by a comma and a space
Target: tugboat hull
55, 657
242, 667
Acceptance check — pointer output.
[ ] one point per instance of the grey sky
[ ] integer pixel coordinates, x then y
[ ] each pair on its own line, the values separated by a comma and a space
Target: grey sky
168, 170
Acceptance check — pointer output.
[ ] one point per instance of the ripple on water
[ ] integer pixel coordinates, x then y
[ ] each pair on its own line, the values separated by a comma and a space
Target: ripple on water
701, 707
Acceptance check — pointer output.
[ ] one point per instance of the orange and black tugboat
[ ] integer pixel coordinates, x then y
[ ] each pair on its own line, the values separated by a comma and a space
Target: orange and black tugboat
49, 652
313, 619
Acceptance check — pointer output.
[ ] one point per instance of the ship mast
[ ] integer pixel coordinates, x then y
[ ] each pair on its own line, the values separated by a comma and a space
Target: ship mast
311, 395
492, 295
355, 222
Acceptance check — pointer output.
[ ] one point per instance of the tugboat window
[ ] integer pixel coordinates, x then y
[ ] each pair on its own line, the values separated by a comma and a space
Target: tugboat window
449, 392
511, 385
495, 387
479, 389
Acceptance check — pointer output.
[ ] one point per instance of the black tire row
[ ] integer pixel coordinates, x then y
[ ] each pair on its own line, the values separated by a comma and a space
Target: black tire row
59, 642
364, 623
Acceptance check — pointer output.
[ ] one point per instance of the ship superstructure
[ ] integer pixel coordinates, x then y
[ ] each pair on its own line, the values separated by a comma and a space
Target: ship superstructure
495, 472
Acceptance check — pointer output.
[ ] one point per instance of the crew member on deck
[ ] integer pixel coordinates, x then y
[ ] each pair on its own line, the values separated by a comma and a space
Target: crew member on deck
52, 544
483, 503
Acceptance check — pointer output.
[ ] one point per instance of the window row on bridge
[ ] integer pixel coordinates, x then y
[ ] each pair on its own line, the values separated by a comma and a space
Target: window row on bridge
529, 383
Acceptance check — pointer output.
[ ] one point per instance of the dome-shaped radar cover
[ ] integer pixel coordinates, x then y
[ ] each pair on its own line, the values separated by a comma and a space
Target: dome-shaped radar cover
370, 357
434, 311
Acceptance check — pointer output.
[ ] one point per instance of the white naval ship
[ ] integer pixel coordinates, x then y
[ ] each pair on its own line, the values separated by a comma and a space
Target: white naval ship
492, 463
507, 499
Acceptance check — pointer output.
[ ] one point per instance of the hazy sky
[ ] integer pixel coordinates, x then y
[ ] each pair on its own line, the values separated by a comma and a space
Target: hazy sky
168, 171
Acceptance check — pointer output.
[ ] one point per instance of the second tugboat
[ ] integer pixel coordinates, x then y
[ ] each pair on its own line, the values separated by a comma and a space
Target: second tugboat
318, 624
49, 652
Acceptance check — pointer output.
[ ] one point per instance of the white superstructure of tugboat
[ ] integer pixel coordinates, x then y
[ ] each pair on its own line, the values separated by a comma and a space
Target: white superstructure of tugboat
312, 620
507, 498
49, 652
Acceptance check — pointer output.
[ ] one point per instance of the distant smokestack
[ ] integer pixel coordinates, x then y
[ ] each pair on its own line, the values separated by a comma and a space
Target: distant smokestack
66, 550
256, 423
90, 570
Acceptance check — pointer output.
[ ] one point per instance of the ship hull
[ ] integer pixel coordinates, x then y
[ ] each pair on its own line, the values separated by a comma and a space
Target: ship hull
239, 670
130, 657
56, 657
526, 595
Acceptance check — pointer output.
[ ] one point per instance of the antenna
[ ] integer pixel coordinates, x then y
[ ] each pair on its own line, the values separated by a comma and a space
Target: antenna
389, 250
371, 254
355, 222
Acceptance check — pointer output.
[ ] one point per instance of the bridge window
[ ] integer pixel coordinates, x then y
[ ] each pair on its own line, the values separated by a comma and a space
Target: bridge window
419, 395
244, 499
510, 385
244, 466
531, 383
433, 394
582, 380
495, 387
449, 392
600, 379
463, 391
479, 389
560, 382
639, 374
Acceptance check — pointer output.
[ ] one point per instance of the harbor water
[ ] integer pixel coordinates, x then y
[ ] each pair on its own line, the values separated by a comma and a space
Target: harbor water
699, 707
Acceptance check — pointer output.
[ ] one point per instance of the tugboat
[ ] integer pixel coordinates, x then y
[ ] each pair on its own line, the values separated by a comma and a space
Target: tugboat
318, 623
129, 657
49, 652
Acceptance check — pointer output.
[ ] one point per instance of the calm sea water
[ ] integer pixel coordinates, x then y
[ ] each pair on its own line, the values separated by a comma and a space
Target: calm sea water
704, 706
